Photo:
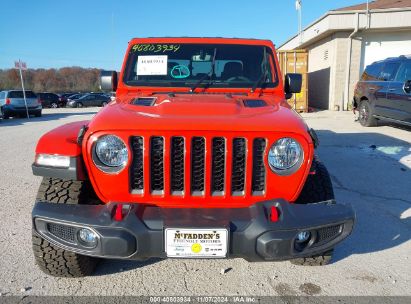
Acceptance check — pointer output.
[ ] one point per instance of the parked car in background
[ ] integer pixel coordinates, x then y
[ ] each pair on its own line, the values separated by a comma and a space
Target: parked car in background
63, 97
12, 104
74, 96
50, 100
100, 93
384, 92
89, 100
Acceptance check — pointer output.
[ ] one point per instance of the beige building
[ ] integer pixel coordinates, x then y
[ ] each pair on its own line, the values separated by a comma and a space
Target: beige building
344, 41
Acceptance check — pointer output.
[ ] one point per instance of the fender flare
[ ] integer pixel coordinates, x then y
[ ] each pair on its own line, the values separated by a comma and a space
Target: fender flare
65, 141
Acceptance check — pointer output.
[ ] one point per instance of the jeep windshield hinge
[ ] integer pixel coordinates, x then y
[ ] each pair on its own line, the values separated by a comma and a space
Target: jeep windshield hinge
80, 135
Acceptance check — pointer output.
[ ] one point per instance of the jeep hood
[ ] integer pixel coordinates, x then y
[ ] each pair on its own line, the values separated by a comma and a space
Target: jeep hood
197, 112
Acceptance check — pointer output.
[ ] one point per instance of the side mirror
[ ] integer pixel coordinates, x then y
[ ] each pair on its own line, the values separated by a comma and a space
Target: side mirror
407, 87
108, 81
292, 84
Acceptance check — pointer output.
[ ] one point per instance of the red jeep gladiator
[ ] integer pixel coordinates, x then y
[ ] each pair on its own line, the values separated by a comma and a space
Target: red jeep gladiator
198, 156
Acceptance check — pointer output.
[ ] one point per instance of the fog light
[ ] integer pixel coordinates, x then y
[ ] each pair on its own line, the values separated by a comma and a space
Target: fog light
87, 237
303, 236
302, 240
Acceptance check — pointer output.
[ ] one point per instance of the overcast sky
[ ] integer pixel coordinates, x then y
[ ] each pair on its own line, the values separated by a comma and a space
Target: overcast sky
91, 33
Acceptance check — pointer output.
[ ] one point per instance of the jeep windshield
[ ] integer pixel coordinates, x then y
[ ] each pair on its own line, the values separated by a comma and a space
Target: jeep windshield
200, 65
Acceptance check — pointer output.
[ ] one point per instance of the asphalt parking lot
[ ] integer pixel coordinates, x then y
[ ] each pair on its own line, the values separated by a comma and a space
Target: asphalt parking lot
370, 168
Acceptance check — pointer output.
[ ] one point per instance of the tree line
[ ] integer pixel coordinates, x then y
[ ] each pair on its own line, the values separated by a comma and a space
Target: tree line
68, 79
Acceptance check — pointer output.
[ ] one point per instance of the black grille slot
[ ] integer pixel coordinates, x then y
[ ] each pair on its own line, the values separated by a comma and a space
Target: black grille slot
197, 165
238, 169
218, 166
258, 180
177, 165
157, 164
66, 233
327, 233
136, 169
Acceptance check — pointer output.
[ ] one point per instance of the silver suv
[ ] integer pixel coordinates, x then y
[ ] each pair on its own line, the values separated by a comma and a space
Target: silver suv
12, 104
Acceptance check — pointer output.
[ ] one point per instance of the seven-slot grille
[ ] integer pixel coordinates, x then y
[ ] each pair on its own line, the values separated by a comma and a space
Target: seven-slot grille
206, 163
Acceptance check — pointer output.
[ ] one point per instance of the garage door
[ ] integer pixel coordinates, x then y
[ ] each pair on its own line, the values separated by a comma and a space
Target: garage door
378, 46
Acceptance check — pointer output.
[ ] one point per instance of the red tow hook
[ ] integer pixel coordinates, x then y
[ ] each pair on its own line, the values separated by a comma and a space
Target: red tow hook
118, 213
274, 214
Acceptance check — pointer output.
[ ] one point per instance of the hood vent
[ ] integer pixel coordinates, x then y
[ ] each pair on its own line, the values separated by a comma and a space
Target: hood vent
254, 103
144, 101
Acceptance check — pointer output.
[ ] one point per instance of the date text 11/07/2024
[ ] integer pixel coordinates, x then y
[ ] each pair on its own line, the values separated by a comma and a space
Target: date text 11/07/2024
203, 299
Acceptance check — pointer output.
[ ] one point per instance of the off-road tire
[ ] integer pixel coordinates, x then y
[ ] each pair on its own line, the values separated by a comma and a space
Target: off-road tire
318, 187
317, 260
79, 105
51, 259
365, 115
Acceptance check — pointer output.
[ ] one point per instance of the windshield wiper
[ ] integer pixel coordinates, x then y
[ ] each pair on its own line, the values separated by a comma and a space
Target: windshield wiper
263, 77
209, 75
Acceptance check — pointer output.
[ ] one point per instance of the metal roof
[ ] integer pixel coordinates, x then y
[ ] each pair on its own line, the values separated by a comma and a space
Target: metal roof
378, 4
341, 20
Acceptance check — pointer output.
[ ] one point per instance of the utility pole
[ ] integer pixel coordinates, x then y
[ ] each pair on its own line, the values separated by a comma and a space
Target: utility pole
22, 65
368, 14
298, 7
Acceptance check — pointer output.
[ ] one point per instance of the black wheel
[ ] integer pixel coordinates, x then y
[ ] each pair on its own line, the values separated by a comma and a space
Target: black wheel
317, 188
54, 105
4, 115
366, 117
51, 259
79, 105
38, 114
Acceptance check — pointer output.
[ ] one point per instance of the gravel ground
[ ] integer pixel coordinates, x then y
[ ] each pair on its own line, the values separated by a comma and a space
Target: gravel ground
370, 167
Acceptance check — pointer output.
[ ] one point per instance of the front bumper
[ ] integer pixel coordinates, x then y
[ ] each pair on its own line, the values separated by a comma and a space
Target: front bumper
140, 234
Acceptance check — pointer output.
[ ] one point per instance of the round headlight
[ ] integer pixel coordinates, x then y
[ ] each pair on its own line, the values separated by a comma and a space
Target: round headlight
111, 151
285, 156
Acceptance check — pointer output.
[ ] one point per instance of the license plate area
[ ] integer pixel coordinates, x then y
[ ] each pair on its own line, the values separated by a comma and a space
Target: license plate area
196, 243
